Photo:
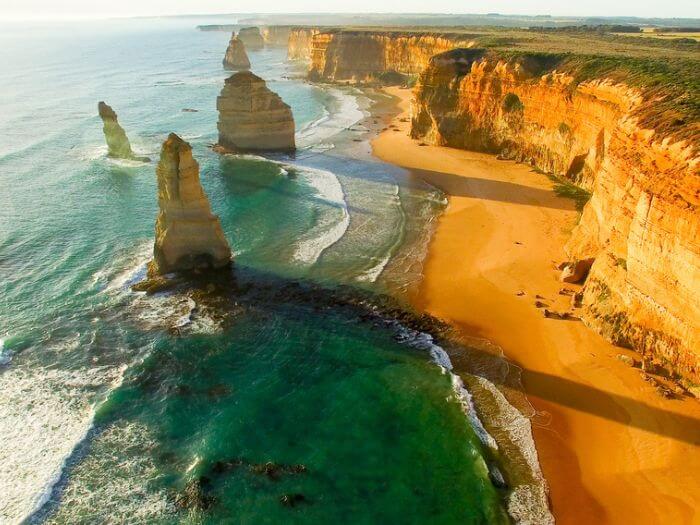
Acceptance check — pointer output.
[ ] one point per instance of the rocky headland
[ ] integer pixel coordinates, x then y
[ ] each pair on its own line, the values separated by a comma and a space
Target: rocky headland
641, 227
251, 37
188, 236
236, 59
252, 117
118, 143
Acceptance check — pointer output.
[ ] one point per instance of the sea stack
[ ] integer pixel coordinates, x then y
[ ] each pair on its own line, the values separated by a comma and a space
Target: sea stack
188, 234
117, 142
251, 37
236, 58
253, 118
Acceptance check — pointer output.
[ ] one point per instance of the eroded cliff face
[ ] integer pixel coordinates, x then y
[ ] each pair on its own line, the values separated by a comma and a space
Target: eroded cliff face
299, 43
275, 35
188, 234
642, 223
252, 117
236, 59
337, 55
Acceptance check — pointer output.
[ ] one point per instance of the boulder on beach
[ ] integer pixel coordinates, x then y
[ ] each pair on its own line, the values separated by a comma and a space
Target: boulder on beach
252, 117
118, 143
188, 234
236, 59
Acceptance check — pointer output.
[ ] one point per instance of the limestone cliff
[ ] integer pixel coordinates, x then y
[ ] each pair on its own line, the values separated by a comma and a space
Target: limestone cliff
188, 234
251, 37
299, 43
642, 223
252, 117
236, 58
276, 35
366, 55
117, 142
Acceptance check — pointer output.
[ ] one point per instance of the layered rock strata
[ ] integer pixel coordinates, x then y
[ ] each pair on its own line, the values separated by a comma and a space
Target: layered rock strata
276, 35
340, 55
299, 43
118, 145
188, 234
251, 37
641, 226
252, 117
236, 59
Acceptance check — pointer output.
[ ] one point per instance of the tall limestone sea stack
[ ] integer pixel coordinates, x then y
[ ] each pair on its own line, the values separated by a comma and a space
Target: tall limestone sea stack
253, 118
188, 234
118, 143
236, 58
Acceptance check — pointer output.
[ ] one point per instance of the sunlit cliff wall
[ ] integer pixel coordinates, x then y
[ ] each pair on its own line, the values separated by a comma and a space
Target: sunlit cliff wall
642, 223
363, 55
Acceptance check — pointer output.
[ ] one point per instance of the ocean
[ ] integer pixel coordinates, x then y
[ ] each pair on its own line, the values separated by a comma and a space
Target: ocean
291, 395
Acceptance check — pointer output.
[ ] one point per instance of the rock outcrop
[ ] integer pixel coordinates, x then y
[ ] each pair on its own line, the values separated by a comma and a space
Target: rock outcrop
641, 226
118, 143
251, 37
340, 55
299, 43
252, 117
188, 234
236, 59
277, 36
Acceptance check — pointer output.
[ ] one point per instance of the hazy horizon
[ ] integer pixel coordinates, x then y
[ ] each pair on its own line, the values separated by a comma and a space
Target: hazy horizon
84, 9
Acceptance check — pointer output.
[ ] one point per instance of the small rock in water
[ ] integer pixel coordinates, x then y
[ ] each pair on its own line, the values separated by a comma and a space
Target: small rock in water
190, 110
520, 293
540, 304
566, 291
292, 500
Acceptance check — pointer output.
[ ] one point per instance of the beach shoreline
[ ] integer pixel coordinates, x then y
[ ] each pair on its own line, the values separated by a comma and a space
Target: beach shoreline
611, 448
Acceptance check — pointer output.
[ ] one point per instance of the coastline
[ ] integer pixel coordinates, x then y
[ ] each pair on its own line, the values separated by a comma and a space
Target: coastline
611, 448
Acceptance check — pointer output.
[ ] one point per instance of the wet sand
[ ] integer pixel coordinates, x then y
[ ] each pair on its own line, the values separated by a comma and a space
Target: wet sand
612, 448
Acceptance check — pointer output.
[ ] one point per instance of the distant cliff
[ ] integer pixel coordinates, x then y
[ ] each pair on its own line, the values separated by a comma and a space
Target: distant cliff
299, 42
339, 55
635, 152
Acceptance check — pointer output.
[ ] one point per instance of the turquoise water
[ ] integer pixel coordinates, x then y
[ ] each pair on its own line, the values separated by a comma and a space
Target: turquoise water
281, 398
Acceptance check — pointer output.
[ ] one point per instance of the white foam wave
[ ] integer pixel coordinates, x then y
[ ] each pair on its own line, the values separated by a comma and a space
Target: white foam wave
44, 415
108, 484
440, 358
345, 112
5, 356
527, 503
332, 223
372, 274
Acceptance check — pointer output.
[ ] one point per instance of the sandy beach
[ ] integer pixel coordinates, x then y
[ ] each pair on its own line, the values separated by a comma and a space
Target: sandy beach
613, 450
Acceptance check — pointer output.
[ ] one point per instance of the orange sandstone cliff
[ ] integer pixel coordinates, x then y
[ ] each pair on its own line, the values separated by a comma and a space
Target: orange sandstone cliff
641, 225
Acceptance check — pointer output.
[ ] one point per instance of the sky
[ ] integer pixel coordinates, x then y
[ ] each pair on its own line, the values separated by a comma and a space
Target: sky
68, 9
